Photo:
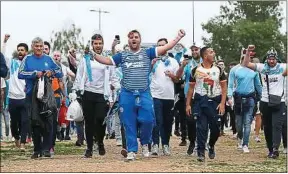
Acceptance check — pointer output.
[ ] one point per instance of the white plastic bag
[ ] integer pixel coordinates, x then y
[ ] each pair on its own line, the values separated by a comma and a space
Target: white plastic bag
41, 86
75, 112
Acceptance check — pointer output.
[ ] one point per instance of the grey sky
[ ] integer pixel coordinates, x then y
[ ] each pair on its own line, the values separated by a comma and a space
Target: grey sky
26, 20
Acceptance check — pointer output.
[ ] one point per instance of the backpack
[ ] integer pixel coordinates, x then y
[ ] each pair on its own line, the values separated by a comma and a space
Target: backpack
3, 66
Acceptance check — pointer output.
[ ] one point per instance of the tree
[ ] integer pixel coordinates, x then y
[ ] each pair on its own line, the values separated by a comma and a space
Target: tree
246, 22
66, 38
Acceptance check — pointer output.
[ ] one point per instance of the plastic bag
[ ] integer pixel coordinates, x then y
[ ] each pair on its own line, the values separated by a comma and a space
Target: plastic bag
41, 86
75, 112
62, 122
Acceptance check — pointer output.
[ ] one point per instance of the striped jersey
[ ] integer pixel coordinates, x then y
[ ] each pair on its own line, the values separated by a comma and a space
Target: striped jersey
135, 67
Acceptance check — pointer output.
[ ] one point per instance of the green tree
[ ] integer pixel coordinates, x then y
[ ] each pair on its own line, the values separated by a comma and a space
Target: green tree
66, 38
242, 23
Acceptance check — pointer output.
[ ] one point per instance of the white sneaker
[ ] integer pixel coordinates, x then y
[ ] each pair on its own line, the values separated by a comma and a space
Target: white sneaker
145, 150
166, 150
155, 150
131, 156
118, 142
285, 151
245, 149
257, 139
240, 147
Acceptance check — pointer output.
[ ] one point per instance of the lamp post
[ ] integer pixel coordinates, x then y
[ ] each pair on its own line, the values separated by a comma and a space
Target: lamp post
193, 22
100, 12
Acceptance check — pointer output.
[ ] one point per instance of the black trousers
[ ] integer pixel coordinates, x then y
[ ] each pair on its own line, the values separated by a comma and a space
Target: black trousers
274, 120
19, 119
181, 107
95, 109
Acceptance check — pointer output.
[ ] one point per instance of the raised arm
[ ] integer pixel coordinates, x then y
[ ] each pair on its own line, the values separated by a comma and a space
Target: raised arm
246, 62
163, 49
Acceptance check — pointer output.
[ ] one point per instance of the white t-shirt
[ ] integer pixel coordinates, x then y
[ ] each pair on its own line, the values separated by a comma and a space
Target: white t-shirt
208, 80
276, 79
162, 86
3, 84
98, 76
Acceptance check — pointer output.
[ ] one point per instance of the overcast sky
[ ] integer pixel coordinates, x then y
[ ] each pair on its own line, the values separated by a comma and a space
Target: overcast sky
26, 20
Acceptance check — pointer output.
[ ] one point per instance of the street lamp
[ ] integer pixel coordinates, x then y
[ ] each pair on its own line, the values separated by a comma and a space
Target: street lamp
99, 11
193, 21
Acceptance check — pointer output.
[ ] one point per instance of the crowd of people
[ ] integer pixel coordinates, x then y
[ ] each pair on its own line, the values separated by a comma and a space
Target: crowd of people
149, 91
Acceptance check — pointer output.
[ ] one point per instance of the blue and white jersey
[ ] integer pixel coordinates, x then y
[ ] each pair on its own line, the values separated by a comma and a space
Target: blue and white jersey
135, 68
276, 79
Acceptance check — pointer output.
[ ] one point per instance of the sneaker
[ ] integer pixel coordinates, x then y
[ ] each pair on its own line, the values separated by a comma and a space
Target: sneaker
52, 151
47, 154
145, 150
155, 150
177, 133
101, 149
240, 147
118, 142
88, 153
35, 155
166, 150
67, 138
201, 158
190, 149
28, 140
211, 152
17, 143
246, 149
270, 155
285, 150
257, 139
183, 143
234, 136
124, 153
131, 156
275, 154
22, 147
78, 143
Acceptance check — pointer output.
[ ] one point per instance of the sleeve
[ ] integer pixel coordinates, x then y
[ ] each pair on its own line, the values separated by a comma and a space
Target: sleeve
152, 53
24, 73
116, 59
193, 75
222, 76
57, 69
231, 82
176, 67
7, 59
258, 85
113, 78
259, 67
79, 75
3, 84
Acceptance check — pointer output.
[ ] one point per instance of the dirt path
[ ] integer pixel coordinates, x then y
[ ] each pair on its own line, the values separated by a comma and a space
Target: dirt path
228, 159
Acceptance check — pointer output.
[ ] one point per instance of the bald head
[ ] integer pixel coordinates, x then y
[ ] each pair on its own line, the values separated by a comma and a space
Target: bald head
57, 56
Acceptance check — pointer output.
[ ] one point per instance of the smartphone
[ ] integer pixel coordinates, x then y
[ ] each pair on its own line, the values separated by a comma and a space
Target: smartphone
118, 38
186, 56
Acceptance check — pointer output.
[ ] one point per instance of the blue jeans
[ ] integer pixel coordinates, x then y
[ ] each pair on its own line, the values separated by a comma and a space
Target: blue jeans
164, 121
244, 120
136, 107
80, 131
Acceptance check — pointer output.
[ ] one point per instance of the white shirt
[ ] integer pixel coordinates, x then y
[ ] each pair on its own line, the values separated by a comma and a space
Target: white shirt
3, 84
276, 80
16, 85
162, 86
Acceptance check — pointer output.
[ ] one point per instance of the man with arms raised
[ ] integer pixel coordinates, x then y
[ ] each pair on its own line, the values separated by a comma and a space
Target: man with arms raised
136, 104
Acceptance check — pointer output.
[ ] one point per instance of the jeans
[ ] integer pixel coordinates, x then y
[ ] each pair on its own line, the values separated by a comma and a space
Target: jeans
117, 127
164, 120
244, 120
273, 121
80, 131
6, 116
19, 119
